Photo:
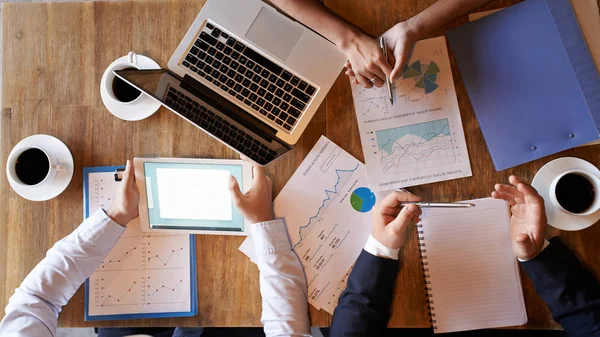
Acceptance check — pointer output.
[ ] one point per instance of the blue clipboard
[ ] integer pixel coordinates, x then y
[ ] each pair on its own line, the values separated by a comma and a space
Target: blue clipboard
193, 284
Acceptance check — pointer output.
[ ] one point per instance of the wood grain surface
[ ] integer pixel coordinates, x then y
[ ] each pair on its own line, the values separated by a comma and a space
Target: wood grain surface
54, 55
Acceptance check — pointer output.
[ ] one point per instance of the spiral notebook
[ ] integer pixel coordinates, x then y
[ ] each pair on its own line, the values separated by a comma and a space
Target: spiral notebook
471, 275
145, 275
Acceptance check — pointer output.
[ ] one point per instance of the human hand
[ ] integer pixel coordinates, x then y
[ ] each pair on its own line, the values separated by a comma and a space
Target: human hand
125, 207
390, 220
528, 220
400, 40
257, 204
366, 61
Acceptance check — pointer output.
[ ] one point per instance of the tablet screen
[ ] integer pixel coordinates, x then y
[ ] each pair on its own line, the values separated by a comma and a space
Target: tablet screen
192, 196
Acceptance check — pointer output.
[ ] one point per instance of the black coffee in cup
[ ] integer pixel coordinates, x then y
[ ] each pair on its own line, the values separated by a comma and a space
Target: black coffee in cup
575, 193
123, 91
32, 166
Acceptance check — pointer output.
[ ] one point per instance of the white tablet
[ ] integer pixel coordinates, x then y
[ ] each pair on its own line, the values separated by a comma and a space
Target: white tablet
191, 195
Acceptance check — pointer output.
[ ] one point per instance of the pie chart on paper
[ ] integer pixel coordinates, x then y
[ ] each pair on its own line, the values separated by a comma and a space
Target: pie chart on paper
362, 199
424, 74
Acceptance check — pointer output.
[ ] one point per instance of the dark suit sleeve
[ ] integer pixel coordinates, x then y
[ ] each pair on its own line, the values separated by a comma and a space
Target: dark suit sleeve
364, 307
571, 292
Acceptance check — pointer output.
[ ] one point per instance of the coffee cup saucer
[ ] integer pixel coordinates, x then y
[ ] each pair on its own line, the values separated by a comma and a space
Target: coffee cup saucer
51, 189
542, 181
142, 108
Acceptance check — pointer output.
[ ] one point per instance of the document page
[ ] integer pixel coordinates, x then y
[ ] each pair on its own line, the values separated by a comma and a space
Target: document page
143, 273
420, 138
473, 274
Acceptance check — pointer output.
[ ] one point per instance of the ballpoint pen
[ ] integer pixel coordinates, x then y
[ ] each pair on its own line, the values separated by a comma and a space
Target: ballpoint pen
383, 47
439, 204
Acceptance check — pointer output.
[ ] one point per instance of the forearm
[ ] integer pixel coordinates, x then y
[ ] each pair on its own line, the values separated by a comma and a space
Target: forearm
283, 284
440, 13
315, 15
34, 308
364, 307
571, 292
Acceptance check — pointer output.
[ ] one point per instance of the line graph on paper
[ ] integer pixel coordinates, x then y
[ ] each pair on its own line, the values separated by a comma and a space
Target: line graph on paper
416, 146
164, 254
329, 195
158, 291
110, 291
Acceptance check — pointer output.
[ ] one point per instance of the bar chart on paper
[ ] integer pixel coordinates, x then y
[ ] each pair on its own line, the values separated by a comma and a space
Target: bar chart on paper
144, 274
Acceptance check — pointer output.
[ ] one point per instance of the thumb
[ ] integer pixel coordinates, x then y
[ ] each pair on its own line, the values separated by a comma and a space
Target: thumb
524, 246
405, 218
234, 188
401, 56
128, 176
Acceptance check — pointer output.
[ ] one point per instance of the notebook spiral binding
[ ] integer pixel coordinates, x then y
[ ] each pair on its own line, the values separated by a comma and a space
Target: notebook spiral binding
424, 267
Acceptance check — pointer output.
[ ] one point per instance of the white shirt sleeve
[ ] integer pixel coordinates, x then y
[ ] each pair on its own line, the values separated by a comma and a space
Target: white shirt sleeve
376, 248
34, 307
283, 284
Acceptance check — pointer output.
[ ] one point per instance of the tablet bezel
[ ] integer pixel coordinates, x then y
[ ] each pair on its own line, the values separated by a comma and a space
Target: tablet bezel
140, 178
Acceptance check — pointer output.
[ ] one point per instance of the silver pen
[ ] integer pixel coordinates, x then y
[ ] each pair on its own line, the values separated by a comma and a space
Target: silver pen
439, 204
383, 47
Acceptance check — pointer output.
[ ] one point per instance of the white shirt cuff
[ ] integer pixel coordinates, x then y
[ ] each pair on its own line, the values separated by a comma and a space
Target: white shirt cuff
376, 248
270, 237
546, 243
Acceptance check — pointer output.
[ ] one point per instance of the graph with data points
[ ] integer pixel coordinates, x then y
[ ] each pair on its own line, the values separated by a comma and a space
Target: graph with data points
144, 273
416, 146
420, 138
326, 207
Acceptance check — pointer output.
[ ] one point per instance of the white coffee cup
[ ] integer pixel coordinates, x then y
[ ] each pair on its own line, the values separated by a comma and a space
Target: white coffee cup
592, 178
53, 169
132, 62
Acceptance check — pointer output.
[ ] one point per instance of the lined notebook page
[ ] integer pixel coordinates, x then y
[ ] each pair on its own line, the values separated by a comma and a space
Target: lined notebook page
474, 276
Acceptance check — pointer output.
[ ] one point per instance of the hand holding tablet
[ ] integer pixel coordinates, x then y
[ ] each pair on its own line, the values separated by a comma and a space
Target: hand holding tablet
191, 195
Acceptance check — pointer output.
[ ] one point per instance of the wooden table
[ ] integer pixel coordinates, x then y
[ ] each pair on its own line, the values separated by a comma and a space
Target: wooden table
54, 55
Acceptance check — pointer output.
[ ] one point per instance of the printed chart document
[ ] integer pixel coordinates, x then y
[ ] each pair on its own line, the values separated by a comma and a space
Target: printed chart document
327, 208
472, 275
144, 275
419, 139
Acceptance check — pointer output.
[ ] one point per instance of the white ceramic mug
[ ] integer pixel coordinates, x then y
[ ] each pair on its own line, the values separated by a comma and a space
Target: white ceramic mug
592, 178
131, 62
53, 169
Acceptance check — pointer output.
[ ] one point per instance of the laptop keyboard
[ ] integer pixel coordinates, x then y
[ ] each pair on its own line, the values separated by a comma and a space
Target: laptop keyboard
219, 127
249, 77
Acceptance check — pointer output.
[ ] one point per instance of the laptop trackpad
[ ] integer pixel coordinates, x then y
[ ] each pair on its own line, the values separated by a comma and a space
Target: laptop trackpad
274, 33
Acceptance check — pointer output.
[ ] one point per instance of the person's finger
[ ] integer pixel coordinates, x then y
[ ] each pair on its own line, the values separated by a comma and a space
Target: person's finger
405, 217
234, 188
350, 73
401, 56
364, 81
530, 194
506, 197
128, 177
390, 205
375, 69
384, 65
510, 190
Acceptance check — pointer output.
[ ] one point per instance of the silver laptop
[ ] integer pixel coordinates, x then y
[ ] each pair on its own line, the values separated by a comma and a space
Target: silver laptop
249, 65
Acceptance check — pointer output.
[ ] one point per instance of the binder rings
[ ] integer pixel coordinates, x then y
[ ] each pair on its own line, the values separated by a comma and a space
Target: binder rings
531, 79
